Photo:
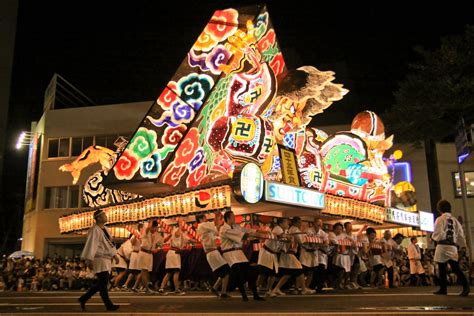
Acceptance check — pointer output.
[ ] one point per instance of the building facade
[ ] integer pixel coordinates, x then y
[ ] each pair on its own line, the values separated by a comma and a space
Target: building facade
61, 135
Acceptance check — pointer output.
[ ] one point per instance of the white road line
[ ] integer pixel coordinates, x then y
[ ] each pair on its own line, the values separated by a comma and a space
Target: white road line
53, 304
145, 296
266, 313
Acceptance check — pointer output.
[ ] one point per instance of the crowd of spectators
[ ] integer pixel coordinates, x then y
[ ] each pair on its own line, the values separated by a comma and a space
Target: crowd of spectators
50, 274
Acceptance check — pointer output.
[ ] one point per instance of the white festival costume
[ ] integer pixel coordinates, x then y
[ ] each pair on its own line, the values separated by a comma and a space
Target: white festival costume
268, 258
414, 256
343, 259
99, 249
136, 245
288, 258
309, 252
231, 243
390, 246
208, 233
173, 259
322, 250
124, 253
150, 242
448, 228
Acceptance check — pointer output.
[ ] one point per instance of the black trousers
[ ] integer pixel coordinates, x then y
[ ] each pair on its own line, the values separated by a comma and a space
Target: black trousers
390, 276
443, 275
99, 286
240, 271
355, 269
320, 276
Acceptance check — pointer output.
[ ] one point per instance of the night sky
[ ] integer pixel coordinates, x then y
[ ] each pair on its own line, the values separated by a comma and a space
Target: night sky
118, 53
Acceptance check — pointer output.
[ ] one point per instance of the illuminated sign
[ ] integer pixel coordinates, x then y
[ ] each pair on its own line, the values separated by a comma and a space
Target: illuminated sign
289, 168
248, 183
427, 221
395, 215
287, 194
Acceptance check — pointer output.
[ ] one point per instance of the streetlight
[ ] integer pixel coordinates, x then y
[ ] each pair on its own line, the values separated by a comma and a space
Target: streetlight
24, 139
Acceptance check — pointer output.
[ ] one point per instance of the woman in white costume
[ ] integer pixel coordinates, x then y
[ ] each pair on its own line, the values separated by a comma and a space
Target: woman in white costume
288, 264
342, 259
177, 240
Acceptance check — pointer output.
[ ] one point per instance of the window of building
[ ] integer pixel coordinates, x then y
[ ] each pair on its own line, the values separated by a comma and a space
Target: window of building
79, 144
62, 197
106, 141
74, 146
469, 175
58, 147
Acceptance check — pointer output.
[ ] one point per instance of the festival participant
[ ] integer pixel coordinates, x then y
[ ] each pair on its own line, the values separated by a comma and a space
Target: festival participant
288, 264
152, 241
268, 256
354, 254
178, 240
123, 253
309, 256
341, 259
375, 250
232, 236
389, 255
209, 232
320, 273
98, 253
449, 235
414, 257
133, 268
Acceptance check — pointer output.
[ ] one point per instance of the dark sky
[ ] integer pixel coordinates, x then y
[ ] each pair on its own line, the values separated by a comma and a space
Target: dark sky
127, 52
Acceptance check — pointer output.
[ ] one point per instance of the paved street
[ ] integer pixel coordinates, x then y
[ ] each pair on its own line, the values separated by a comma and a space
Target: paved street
403, 301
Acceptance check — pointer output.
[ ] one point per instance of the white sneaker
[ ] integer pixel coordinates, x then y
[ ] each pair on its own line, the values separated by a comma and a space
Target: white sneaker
179, 292
270, 294
278, 293
308, 292
356, 286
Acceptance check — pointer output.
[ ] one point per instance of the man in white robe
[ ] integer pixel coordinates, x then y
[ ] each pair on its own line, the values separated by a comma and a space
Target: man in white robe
414, 257
268, 256
232, 237
392, 247
98, 252
209, 232
449, 235
374, 249
322, 252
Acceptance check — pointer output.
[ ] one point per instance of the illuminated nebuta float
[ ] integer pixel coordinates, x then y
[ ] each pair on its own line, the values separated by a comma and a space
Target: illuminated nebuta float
232, 101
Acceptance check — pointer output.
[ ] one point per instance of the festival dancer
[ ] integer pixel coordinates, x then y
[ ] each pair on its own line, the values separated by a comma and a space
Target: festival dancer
232, 236
268, 256
209, 232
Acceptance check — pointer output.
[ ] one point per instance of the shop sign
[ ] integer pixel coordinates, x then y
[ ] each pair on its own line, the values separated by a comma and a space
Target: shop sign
394, 215
289, 167
248, 183
287, 194
426, 221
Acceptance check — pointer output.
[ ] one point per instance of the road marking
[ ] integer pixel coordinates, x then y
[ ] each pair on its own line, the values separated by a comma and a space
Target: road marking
148, 296
264, 313
53, 304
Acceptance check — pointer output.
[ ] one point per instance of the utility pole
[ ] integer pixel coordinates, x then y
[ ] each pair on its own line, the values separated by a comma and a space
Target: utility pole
463, 148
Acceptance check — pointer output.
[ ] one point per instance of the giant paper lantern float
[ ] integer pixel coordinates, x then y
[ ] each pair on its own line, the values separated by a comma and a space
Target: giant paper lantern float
230, 102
